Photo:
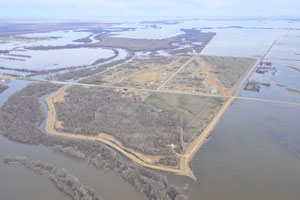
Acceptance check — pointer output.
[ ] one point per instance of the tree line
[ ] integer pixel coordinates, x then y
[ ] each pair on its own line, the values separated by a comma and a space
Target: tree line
3, 88
63, 180
81, 73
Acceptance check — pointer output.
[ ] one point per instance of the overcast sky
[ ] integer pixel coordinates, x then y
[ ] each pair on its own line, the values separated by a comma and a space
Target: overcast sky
123, 8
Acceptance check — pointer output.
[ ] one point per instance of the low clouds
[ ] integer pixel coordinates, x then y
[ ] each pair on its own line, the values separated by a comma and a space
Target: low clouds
216, 3
123, 8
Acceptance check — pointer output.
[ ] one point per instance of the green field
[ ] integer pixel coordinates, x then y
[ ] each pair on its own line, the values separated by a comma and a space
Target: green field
194, 111
229, 69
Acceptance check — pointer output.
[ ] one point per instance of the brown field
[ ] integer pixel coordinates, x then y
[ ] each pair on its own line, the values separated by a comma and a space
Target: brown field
207, 73
201, 74
140, 73
145, 77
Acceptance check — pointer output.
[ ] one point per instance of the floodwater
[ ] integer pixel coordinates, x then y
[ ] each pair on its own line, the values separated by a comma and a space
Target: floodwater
17, 182
245, 158
253, 152
21, 58
55, 38
59, 58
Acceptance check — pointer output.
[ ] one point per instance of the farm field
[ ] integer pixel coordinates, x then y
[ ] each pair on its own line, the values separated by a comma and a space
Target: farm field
195, 112
211, 74
197, 74
139, 73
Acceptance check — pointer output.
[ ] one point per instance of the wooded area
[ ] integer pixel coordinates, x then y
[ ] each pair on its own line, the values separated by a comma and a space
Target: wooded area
21, 116
139, 126
2, 88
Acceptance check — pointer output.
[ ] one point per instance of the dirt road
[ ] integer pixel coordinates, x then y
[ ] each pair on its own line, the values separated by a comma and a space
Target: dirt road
173, 75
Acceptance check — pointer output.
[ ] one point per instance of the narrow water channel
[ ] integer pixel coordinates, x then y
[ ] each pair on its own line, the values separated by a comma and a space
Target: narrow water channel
107, 184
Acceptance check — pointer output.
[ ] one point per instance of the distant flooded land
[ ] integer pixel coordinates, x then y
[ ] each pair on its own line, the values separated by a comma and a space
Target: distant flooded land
156, 109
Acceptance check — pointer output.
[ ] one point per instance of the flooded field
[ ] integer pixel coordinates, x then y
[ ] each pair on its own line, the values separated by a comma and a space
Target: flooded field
46, 38
20, 55
253, 152
42, 60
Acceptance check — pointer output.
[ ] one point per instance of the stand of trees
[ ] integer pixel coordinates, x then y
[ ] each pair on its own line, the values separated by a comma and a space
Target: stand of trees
21, 115
139, 126
63, 180
169, 160
85, 40
3, 88
153, 185
81, 73
4, 51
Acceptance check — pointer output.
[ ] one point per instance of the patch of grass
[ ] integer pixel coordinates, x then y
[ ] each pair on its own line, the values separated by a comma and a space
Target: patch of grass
31, 79
47, 105
229, 69
194, 111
